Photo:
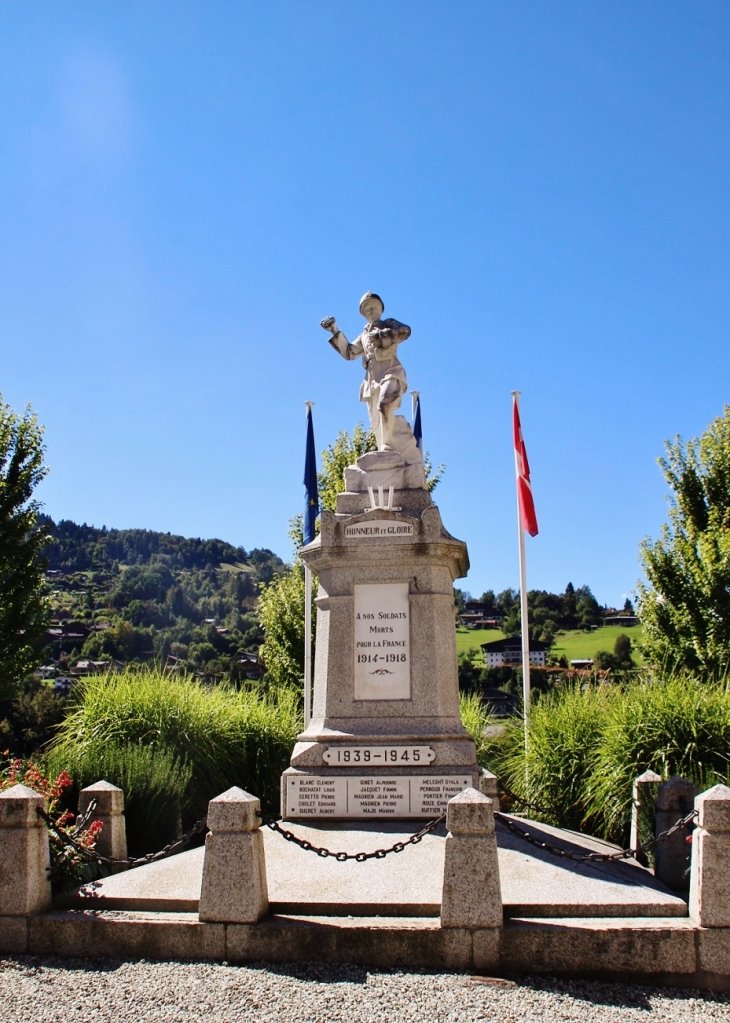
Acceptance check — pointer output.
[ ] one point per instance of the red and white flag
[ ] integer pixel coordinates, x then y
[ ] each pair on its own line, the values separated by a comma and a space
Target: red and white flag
528, 517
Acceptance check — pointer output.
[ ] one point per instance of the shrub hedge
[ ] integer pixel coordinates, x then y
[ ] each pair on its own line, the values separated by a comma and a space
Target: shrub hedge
586, 744
173, 744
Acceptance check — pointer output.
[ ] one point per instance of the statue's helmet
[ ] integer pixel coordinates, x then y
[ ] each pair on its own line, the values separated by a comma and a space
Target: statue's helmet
371, 294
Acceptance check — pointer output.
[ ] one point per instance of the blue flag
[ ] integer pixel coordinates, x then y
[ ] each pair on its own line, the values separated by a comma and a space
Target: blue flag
417, 425
311, 507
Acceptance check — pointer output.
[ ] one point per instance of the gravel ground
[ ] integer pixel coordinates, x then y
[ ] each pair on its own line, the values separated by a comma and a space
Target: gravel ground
34, 990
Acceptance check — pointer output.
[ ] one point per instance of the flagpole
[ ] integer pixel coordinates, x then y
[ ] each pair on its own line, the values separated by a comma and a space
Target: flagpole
525, 626
307, 630
414, 400
307, 645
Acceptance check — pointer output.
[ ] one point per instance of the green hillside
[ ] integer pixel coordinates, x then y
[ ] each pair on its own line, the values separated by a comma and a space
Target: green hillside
136, 595
577, 644
469, 639
574, 645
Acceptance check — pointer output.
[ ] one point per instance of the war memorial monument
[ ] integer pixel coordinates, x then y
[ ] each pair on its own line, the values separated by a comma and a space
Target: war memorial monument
386, 738
475, 889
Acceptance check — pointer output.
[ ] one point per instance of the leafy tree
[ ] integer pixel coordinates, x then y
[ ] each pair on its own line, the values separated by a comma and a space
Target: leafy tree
550, 612
628, 607
336, 458
622, 651
460, 599
281, 614
23, 609
123, 642
30, 718
508, 600
489, 600
140, 584
587, 608
202, 653
471, 671
620, 659
685, 607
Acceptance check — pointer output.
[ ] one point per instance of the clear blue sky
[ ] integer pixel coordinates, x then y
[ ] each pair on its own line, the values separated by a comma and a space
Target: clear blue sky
539, 190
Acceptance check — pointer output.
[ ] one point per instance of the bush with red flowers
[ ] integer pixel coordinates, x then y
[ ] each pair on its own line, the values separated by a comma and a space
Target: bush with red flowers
69, 866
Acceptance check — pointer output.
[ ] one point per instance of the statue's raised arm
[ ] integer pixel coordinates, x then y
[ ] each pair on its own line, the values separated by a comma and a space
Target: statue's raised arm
385, 378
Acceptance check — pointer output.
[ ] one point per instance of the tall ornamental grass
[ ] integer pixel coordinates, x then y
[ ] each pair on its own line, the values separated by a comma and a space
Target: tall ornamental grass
587, 745
173, 744
565, 730
679, 725
476, 719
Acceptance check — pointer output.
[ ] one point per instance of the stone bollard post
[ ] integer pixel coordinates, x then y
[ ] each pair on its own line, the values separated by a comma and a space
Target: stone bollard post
112, 840
25, 887
489, 786
709, 890
234, 870
471, 892
643, 805
675, 800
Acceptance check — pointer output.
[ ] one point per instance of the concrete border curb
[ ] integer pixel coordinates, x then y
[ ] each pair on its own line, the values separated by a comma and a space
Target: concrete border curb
660, 951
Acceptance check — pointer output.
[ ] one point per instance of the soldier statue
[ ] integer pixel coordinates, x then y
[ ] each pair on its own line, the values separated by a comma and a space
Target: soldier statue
385, 378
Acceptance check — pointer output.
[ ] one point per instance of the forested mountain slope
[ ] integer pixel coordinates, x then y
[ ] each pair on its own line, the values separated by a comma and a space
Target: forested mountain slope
140, 595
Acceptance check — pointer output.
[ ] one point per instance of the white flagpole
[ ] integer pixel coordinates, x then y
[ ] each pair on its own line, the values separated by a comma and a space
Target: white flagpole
414, 399
307, 645
307, 632
525, 625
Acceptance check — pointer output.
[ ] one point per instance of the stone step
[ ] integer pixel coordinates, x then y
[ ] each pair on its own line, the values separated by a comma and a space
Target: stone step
667, 950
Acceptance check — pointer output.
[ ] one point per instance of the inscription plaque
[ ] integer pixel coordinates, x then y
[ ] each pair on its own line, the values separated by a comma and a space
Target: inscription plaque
382, 642
378, 528
372, 796
379, 756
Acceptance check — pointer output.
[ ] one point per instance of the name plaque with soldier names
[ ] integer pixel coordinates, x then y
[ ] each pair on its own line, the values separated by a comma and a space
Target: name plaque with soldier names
370, 796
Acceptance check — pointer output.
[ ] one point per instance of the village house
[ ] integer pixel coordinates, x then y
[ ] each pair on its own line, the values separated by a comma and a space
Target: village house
508, 652
479, 616
83, 668
251, 666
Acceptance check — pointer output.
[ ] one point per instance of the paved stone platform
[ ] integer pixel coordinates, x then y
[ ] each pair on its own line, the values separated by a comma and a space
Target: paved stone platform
534, 883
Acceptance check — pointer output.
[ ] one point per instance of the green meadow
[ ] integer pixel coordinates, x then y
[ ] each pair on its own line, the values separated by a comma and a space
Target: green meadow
469, 639
577, 645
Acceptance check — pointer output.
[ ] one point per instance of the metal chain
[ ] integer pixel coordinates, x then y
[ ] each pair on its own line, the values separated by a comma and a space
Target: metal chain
129, 861
569, 854
173, 847
82, 821
377, 854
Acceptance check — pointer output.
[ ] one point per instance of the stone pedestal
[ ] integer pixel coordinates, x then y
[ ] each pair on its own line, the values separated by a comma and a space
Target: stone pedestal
709, 893
234, 888
675, 800
24, 854
385, 739
643, 810
109, 799
472, 895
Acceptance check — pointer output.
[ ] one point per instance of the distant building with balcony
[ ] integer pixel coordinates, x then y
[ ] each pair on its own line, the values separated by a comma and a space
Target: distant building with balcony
508, 653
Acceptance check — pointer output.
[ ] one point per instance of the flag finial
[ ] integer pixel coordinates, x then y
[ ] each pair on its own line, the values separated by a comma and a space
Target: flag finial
311, 504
